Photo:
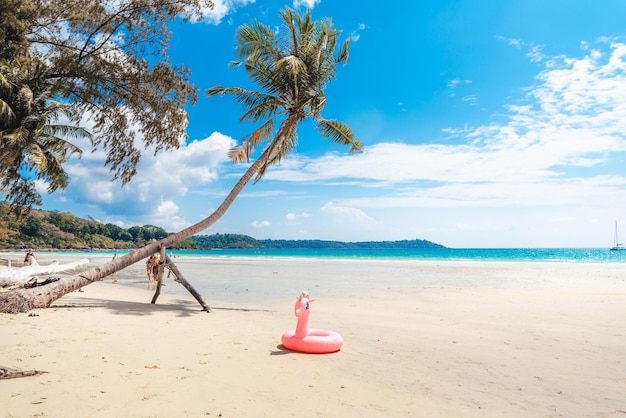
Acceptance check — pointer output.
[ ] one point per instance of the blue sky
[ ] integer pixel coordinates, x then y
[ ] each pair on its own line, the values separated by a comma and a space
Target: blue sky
483, 124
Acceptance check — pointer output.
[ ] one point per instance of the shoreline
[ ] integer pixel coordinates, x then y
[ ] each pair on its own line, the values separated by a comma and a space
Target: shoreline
470, 255
432, 340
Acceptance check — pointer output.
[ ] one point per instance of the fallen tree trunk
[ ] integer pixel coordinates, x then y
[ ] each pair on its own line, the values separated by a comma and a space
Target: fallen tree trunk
23, 300
9, 373
181, 279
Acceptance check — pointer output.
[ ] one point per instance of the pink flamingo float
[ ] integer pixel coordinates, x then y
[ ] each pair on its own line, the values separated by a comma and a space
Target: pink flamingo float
306, 340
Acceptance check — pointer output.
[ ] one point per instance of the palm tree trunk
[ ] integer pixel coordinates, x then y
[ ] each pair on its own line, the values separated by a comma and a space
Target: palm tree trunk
23, 300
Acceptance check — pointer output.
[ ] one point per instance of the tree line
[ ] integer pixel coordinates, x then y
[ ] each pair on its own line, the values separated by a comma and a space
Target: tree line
64, 231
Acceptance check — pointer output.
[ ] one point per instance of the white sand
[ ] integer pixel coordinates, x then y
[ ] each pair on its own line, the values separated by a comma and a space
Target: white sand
421, 340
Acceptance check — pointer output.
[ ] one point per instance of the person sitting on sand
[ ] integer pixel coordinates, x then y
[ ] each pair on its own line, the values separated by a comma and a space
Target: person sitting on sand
29, 259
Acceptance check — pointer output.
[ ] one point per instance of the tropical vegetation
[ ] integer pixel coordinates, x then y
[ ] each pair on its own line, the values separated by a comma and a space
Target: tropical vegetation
291, 69
33, 146
98, 62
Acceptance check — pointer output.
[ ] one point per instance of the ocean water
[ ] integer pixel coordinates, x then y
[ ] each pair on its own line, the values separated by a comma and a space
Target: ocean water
236, 281
564, 255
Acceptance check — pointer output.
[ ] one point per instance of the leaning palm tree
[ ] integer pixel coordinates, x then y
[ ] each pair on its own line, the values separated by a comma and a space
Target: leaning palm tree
291, 70
33, 146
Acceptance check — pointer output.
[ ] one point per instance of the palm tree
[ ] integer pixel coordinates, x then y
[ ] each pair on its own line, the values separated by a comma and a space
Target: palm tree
32, 145
291, 69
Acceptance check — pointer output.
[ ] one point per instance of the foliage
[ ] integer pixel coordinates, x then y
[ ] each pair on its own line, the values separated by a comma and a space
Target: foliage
63, 230
292, 69
318, 244
226, 241
15, 18
106, 61
32, 144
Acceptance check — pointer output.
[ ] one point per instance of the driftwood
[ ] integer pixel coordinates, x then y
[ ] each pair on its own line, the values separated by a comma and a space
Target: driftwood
35, 281
9, 274
8, 373
180, 279
166, 262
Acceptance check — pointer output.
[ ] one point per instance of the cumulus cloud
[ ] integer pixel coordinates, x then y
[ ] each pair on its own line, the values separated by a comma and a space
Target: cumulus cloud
222, 8
159, 180
309, 4
261, 224
292, 217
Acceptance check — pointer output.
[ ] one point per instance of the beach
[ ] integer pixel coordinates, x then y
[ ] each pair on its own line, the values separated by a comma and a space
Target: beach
422, 339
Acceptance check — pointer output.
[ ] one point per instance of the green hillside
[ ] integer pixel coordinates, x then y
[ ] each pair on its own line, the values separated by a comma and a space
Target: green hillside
64, 231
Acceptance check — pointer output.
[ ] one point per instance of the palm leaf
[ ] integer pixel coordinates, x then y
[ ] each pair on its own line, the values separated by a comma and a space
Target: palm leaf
339, 133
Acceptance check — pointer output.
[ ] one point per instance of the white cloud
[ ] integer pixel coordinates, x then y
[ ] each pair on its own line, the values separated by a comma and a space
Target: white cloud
355, 35
309, 4
345, 213
452, 84
221, 8
534, 52
292, 217
553, 149
261, 224
573, 118
159, 180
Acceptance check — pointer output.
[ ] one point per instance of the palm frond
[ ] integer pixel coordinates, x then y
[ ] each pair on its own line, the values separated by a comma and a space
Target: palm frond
341, 56
256, 39
242, 152
7, 115
35, 158
263, 111
67, 131
339, 133
245, 97
33, 144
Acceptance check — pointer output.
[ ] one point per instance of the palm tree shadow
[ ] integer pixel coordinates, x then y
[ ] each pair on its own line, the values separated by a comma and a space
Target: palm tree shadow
183, 308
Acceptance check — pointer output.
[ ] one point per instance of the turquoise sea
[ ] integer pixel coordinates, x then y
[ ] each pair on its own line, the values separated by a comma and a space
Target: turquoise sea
565, 255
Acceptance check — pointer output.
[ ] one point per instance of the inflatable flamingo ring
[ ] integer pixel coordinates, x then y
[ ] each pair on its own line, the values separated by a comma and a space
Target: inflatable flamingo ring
305, 340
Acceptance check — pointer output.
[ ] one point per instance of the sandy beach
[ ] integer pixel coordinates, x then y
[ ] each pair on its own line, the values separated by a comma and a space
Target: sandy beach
422, 339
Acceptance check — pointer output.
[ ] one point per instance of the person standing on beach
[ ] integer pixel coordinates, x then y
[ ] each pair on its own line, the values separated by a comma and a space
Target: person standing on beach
155, 267
29, 259
151, 263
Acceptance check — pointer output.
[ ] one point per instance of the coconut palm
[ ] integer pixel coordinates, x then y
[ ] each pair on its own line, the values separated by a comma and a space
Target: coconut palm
33, 146
291, 70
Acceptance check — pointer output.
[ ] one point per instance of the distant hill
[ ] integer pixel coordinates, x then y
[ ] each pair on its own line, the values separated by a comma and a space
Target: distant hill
64, 231
233, 241
417, 243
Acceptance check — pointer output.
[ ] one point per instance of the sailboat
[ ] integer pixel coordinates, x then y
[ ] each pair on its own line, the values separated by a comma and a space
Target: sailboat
616, 245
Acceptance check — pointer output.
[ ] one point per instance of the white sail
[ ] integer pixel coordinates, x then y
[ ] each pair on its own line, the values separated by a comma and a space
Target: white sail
616, 244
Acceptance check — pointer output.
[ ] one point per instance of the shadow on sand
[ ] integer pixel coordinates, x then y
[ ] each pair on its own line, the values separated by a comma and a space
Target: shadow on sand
182, 308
